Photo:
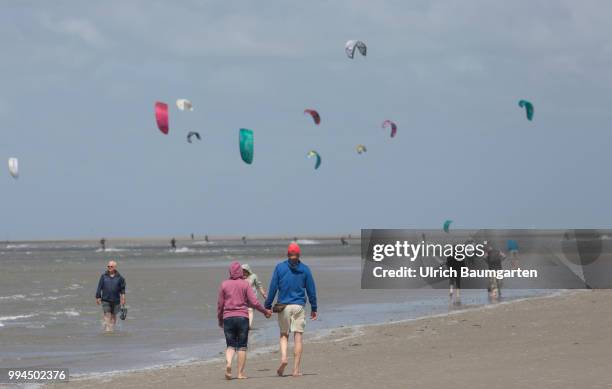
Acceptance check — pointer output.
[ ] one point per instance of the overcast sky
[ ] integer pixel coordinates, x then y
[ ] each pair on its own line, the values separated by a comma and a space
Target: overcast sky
79, 81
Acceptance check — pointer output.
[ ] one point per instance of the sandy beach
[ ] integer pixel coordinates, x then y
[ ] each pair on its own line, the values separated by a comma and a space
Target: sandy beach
551, 342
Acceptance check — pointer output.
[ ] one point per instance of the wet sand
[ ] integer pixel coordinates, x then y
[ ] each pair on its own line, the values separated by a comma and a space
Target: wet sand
554, 342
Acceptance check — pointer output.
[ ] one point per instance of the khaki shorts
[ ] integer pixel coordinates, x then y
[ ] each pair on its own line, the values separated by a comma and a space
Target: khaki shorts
292, 319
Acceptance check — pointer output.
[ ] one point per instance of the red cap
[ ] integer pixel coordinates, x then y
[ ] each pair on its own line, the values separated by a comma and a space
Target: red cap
293, 248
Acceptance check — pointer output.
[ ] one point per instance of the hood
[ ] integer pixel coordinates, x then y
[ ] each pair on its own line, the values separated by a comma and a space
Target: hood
297, 268
235, 271
245, 266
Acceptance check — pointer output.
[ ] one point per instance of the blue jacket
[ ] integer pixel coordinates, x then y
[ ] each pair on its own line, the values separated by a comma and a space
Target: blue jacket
290, 281
110, 288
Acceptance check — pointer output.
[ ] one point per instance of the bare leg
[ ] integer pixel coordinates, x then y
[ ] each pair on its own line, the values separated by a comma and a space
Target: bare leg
297, 353
250, 319
242, 356
113, 321
284, 340
229, 356
107, 322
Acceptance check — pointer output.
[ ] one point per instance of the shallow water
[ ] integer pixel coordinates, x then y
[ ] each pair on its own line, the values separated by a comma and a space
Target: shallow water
48, 315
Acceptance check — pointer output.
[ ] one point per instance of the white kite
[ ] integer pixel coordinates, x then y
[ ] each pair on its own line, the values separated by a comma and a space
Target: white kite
350, 47
184, 104
13, 165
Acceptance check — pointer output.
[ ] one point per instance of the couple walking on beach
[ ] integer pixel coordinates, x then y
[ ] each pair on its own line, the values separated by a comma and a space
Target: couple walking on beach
293, 281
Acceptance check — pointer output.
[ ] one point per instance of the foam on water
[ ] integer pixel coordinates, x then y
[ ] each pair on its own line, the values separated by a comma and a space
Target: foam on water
17, 246
13, 297
181, 250
203, 242
110, 250
308, 241
17, 317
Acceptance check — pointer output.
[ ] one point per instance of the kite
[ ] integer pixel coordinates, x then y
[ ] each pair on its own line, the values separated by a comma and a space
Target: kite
528, 108
313, 153
350, 47
13, 165
315, 115
389, 123
191, 134
246, 145
446, 226
184, 104
161, 116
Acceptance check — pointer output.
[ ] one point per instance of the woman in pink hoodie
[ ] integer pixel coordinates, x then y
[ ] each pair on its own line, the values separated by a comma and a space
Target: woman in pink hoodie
235, 297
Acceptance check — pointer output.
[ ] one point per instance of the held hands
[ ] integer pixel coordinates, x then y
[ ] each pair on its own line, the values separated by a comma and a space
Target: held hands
268, 314
314, 316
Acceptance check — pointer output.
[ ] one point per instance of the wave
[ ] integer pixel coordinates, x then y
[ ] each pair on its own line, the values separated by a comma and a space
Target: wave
74, 287
13, 297
17, 246
110, 250
308, 241
203, 242
69, 312
17, 317
50, 298
183, 250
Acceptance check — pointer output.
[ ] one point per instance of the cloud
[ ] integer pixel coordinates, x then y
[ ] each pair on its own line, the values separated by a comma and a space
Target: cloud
79, 28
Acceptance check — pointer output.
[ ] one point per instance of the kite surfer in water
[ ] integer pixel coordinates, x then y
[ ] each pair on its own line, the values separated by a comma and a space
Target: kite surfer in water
173, 244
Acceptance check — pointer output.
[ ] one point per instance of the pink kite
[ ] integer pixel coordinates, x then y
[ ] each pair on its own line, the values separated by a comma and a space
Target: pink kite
161, 116
389, 123
314, 114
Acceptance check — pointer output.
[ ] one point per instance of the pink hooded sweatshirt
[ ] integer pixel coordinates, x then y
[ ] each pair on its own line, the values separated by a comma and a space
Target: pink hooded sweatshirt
236, 295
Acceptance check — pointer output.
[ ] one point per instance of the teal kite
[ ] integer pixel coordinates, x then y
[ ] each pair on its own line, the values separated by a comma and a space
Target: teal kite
246, 145
446, 226
313, 153
528, 108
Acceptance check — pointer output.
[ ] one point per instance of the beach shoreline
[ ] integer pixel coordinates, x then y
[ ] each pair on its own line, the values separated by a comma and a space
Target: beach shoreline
524, 327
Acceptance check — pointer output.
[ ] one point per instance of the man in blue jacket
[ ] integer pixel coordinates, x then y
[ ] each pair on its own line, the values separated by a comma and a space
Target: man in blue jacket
111, 294
290, 279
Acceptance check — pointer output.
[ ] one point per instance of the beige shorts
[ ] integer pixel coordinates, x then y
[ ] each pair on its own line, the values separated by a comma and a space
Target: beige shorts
292, 319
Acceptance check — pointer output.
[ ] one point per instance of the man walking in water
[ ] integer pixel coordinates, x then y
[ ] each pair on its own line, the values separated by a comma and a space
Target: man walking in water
103, 244
290, 279
111, 294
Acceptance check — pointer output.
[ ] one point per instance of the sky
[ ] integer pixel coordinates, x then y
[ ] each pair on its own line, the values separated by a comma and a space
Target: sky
79, 82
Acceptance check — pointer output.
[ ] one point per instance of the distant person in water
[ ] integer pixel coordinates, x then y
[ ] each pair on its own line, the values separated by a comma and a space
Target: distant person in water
173, 244
103, 244
343, 241
255, 284
111, 295
454, 288
513, 250
192, 236
244, 239
494, 258
293, 281
235, 297
205, 238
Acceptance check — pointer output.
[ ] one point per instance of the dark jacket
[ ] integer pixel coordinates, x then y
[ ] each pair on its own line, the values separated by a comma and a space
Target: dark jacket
110, 288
